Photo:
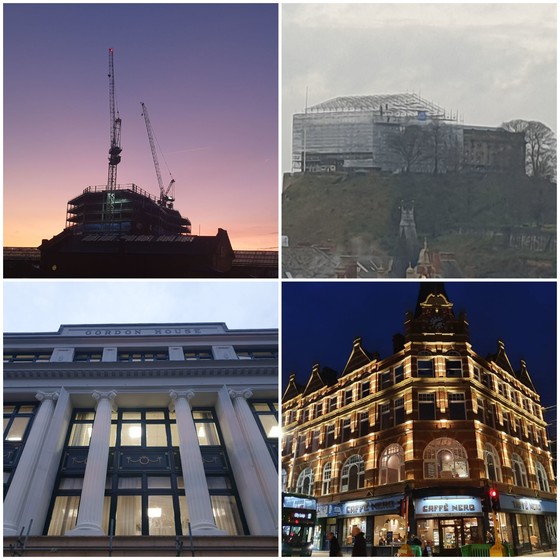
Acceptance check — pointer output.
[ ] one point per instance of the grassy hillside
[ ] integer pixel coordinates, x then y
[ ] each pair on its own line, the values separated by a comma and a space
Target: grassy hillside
346, 211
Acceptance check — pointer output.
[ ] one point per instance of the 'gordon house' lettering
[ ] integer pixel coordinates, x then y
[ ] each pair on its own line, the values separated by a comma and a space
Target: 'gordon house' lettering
113, 332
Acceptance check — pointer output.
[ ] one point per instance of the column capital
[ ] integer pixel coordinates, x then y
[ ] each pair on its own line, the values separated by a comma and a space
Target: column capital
181, 395
40, 396
101, 395
244, 393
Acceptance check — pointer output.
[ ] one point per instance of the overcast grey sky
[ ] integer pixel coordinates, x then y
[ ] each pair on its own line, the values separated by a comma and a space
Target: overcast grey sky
31, 306
490, 62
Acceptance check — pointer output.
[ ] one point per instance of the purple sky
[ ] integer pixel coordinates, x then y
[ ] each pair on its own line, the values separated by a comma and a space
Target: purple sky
208, 75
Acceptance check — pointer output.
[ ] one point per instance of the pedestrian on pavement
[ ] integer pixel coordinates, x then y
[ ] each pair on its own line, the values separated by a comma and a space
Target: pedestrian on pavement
359, 548
334, 546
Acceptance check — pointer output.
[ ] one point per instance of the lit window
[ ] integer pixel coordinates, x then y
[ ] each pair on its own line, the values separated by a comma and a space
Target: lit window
445, 458
492, 463
391, 464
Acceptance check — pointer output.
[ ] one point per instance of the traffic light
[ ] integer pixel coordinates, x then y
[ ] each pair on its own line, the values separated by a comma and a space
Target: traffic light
494, 499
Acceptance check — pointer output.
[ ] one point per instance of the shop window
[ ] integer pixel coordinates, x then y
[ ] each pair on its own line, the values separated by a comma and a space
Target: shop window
453, 368
399, 410
385, 416
492, 463
329, 440
425, 368
456, 404
426, 406
365, 389
304, 484
542, 478
445, 458
352, 474
327, 475
519, 471
391, 464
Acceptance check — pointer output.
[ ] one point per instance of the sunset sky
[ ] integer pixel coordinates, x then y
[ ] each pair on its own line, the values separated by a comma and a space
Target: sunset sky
208, 75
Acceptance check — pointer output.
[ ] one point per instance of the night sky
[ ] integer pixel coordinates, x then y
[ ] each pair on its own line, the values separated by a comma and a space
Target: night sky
320, 320
208, 75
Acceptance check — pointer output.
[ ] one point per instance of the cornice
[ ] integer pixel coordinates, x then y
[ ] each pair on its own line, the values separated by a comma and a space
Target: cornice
70, 370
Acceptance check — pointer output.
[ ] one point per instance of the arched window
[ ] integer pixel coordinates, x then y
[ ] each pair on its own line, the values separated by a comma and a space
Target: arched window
327, 474
492, 463
304, 483
542, 478
445, 458
391, 464
519, 470
352, 474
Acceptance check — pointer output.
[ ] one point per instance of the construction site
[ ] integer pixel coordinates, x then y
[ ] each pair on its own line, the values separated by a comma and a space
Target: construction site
123, 231
398, 133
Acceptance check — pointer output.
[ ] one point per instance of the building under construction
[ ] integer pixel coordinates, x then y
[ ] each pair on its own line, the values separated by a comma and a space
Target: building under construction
398, 133
122, 231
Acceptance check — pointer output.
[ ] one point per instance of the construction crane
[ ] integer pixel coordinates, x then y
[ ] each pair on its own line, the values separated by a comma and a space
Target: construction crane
166, 195
115, 148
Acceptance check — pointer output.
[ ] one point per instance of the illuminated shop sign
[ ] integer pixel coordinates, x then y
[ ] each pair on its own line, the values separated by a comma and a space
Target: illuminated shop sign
450, 506
360, 507
520, 504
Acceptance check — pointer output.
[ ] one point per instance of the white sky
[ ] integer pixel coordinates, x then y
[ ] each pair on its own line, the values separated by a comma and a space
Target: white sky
490, 62
32, 306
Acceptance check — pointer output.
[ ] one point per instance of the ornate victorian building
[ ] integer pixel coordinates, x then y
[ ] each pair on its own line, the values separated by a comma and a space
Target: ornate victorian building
433, 426
142, 440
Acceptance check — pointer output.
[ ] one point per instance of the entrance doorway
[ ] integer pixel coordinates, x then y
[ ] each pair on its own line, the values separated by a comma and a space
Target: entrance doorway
448, 535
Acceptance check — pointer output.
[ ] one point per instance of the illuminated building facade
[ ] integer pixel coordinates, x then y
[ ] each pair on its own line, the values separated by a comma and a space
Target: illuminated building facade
434, 425
163, 437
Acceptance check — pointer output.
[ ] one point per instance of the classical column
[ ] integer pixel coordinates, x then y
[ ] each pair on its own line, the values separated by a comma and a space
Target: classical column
196, 488
259, 450
17, 494
90, 513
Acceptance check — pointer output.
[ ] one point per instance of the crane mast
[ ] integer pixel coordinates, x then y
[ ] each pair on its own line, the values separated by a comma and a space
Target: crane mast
115, 148
165, 199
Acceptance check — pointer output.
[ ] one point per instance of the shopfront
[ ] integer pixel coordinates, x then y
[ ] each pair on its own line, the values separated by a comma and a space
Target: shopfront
449, 522
378, 518
528, 523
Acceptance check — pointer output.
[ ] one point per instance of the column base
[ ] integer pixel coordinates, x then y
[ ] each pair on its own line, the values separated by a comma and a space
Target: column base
206, 529
86, 530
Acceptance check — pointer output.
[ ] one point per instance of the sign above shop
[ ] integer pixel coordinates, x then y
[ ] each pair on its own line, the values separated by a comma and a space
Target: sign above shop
519, 504
360, 507
447, 506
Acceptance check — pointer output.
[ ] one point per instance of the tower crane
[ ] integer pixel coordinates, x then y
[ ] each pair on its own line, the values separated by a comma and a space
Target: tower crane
166, 197
115, 148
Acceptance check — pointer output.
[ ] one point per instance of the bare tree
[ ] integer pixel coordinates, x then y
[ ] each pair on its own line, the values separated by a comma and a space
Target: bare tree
540, 147
410, 144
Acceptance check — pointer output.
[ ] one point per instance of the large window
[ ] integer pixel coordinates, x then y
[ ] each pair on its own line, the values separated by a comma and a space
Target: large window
145, 490
346, 429
399, 410
425, 368
492, 463
391, 464
329, 440
352, 474
142, 356
304, 484
519, 470
445, 458
27, 357
542, 478
453, 368
266, 414
17, 424
385, 416
363, 425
